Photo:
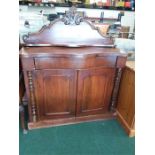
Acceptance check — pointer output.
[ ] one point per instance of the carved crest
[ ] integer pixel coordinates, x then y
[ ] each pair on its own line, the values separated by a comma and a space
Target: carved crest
72, 17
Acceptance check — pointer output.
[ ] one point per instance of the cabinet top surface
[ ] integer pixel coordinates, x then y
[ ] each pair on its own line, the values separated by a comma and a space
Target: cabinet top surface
65, 51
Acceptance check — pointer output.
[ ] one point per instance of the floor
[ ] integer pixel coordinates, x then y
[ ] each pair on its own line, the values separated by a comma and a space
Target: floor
91, 138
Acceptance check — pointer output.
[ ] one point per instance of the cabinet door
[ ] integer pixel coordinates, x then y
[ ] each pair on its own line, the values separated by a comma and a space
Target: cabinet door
55, 92
94, 90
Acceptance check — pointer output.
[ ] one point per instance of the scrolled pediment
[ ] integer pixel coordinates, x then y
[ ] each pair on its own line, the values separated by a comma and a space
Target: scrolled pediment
72, 30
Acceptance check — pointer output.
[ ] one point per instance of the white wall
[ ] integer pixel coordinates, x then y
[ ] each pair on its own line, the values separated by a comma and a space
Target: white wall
128, 20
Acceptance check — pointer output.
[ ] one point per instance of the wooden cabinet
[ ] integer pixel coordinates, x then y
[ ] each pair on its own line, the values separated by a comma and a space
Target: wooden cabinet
78, 89
70, 79
126, 101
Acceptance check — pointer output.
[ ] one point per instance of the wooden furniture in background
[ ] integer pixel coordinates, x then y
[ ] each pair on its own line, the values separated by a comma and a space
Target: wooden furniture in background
103, 28
124, 32
65, 84
126, 99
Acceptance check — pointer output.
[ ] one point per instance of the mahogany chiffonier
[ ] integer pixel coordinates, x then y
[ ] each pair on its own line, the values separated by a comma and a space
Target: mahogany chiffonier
71, 71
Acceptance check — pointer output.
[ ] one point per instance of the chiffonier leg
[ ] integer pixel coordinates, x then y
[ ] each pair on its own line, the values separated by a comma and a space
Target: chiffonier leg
22, 118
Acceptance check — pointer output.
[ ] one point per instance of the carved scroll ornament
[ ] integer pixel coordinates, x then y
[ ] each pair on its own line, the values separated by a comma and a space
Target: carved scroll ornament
72, 17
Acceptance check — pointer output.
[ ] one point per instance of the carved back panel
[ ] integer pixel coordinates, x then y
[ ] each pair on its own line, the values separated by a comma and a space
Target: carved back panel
72, 30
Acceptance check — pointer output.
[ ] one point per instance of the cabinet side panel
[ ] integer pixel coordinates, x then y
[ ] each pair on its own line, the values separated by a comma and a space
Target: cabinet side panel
126, 97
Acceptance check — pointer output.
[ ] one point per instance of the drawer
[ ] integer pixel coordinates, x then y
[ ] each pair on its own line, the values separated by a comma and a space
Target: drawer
108, 61
74, 62
57, 63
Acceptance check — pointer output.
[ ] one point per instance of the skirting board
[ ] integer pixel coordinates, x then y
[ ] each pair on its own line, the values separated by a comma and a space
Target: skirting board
129, 131
67, 121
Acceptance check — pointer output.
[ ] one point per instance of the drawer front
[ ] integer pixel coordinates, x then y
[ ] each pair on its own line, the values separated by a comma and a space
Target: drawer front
108, 61
75, 62
56, 63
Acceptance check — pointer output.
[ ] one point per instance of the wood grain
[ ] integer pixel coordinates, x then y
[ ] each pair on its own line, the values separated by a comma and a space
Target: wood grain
126, 100
94, 90
55, 92
71, 120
